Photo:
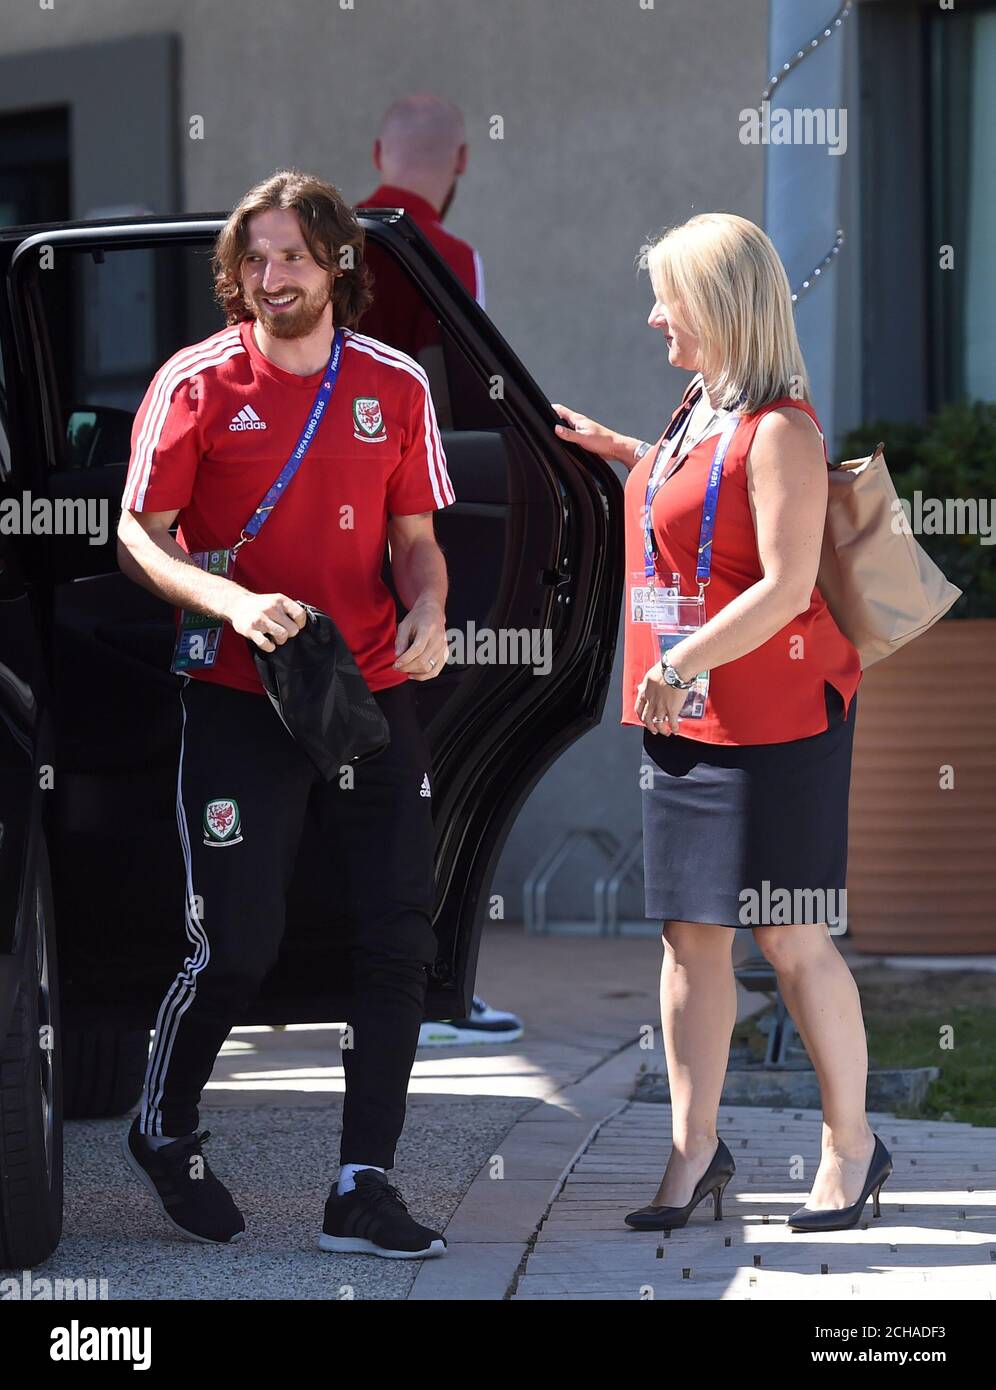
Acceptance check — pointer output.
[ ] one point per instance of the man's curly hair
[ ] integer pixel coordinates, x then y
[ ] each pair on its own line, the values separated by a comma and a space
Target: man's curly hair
328, 225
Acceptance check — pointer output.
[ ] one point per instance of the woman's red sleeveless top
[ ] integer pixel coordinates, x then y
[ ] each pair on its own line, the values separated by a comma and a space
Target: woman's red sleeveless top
774, 693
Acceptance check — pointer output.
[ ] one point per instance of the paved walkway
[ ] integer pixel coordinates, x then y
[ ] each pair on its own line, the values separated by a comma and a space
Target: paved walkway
528, 1156
543, 1217
273, 1107
935, 1240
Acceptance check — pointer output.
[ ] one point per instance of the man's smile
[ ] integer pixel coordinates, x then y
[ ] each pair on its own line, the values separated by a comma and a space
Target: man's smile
277, 302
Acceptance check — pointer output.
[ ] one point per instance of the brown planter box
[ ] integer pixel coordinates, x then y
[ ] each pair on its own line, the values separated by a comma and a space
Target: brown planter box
921, 874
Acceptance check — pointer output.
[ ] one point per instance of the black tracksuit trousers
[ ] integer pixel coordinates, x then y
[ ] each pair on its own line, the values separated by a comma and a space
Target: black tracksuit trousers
242, 794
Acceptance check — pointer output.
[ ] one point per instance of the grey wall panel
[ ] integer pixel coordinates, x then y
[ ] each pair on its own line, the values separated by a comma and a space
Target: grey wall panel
121, 99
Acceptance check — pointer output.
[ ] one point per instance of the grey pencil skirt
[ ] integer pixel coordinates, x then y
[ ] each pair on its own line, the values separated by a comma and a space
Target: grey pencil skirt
745, 835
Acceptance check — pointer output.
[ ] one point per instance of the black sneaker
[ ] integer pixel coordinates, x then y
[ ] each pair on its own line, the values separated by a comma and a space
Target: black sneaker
373, 1220
200, 1208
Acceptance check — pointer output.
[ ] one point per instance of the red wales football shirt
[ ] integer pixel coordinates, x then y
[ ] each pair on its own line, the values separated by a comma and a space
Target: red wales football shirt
218, 423
399, 314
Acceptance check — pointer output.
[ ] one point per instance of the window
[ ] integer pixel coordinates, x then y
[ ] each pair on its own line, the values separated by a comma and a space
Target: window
928, 181
962, 202
107, 320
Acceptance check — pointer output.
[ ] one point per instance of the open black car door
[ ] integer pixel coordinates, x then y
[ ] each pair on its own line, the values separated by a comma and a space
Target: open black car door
533, 546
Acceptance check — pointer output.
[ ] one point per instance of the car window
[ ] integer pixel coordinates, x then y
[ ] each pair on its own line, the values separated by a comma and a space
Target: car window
109, 320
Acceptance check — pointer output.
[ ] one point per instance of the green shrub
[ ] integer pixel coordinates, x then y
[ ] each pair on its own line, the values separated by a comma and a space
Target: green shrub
953, 455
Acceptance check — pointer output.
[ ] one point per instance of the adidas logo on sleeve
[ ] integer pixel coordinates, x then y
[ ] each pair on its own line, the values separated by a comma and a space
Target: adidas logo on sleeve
247, 419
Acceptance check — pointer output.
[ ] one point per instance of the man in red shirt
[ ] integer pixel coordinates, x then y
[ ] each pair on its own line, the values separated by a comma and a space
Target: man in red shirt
420, 153
217, 425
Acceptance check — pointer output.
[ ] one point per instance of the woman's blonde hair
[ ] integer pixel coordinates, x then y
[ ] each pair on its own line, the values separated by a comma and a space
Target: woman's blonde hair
728, 279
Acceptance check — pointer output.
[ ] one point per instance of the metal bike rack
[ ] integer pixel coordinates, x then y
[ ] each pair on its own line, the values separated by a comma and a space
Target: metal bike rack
607, 886
757, 975
534, 890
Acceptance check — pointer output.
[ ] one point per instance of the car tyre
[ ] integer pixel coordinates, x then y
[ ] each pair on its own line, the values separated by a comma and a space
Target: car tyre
31, 1095
104, 1070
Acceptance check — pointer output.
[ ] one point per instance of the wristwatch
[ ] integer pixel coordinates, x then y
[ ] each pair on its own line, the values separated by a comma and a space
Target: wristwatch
673, 679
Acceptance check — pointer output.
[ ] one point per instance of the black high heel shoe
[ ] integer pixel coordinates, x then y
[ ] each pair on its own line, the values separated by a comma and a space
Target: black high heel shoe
714, 1180
843, 1218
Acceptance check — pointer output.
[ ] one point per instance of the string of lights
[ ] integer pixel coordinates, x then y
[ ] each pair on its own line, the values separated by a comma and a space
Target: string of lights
817, 271
832, 26
803, 53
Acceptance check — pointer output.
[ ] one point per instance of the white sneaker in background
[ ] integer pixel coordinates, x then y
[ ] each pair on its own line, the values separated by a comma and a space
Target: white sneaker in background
485, 1025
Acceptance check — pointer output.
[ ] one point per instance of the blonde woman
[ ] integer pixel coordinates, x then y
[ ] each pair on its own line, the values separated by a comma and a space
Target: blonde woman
746, 694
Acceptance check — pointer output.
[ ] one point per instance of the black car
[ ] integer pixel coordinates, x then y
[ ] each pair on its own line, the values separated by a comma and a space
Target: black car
91, 882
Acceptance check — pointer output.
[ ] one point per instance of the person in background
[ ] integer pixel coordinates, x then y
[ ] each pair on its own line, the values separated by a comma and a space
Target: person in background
420, 153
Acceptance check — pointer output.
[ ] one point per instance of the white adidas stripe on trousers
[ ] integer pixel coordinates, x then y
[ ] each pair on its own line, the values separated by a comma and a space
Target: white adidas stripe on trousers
183, 990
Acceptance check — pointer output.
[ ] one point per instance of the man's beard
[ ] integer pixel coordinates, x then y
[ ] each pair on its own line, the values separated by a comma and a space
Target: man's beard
448, 200
297, 322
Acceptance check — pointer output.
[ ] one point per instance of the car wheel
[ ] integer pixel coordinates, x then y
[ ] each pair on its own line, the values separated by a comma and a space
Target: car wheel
31, 1098
104, 1070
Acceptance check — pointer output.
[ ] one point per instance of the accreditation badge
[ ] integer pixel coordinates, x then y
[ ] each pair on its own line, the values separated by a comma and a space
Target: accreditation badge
683, 615
649, 601
199, 636
671, 616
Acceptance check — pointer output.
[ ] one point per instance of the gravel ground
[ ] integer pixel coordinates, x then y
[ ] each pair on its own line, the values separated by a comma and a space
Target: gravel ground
278, 1163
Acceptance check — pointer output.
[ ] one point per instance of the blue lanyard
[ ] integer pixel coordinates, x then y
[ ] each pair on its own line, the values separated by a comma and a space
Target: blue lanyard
704, 561
254, 525
654, 481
